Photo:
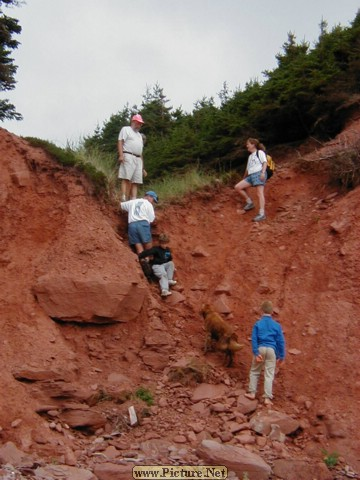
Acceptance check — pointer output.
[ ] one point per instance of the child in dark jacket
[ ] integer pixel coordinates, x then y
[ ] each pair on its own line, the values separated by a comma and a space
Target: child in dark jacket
162, 264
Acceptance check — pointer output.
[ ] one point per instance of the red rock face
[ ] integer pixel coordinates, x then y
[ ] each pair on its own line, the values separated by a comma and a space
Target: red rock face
76, 310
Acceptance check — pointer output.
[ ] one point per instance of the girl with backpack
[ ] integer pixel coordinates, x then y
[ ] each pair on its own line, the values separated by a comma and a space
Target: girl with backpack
254, 176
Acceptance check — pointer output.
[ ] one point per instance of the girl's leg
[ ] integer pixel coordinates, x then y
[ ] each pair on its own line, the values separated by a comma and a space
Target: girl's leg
241, 188
261, 197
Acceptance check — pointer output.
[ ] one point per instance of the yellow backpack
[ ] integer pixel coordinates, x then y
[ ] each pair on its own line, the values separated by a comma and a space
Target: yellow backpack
270, 164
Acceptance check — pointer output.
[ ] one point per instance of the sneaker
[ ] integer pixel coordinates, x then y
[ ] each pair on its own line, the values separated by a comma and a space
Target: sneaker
259, 218
165, 293
172, 283
249, 206
267, 401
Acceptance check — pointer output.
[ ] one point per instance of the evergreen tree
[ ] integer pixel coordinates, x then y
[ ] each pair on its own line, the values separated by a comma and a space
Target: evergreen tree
105, 138
309, 92
8, 27
156, 113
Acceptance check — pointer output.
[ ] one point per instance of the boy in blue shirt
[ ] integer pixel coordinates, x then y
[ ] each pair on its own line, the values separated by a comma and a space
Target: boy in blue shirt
268, 347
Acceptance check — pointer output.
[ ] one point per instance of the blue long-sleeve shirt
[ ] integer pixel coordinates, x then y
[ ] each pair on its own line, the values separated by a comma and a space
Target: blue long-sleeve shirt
268, 333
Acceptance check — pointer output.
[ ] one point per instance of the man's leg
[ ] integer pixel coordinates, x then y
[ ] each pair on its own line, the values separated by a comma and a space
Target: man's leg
136, 177
125, 190
139, 248
138, 233
144, 234
133, 191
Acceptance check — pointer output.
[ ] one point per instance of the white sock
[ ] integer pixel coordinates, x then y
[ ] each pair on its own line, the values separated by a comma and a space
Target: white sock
261, 212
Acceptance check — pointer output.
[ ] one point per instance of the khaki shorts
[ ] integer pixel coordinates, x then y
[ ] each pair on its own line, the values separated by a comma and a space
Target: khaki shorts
131, 169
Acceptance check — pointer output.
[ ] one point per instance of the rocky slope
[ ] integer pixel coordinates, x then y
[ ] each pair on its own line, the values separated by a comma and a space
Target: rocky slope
82, 330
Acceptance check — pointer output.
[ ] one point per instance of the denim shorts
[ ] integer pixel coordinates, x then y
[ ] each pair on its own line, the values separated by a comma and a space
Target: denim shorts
254, 179
139, 232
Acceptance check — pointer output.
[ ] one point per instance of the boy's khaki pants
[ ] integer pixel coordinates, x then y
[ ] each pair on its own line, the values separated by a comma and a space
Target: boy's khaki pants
269, 364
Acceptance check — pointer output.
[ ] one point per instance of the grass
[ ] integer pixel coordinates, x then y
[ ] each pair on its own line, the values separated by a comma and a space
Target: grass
105, 164
145, 395
70, 158
172, 187
169, 188
330, 459
102, 170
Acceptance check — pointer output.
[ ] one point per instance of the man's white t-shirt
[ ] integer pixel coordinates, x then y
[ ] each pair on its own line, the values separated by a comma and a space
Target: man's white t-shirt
255, 162
133, 141
139, 209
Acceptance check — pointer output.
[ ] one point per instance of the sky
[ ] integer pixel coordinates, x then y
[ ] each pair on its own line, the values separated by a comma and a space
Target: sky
80, 61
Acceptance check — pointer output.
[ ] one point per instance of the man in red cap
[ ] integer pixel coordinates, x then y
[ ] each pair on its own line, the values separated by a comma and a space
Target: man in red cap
130, 148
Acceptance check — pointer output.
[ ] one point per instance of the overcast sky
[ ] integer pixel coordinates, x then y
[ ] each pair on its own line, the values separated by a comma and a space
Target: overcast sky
81, 61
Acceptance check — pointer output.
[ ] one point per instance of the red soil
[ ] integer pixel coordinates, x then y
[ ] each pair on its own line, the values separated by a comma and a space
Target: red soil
304, 257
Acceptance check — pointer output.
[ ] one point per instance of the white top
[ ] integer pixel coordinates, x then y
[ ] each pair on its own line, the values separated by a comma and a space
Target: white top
132, 140
138, 209
255, 162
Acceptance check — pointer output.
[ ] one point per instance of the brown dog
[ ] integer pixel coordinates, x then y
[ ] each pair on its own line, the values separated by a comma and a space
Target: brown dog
220, 335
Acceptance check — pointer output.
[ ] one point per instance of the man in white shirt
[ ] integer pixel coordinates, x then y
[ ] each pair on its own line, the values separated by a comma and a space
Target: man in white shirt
140, 216
130, 149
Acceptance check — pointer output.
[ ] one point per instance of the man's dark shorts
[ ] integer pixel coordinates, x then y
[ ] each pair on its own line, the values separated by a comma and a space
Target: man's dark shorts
139, 232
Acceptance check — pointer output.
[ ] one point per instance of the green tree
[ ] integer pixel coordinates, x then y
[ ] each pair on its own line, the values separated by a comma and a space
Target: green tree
311, 91
155, 112
105, 138
8, 27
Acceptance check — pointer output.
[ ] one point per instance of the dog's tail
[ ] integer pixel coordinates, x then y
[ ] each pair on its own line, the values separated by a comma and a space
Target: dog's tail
234, 346
231, 344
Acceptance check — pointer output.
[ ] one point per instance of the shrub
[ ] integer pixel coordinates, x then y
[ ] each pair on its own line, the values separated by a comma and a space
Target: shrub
330, 459
342, 166
345, 167
190, 374
68, 158
64, 157
145, 395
